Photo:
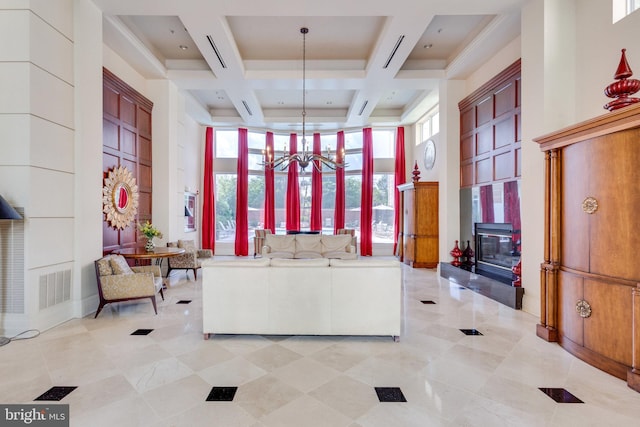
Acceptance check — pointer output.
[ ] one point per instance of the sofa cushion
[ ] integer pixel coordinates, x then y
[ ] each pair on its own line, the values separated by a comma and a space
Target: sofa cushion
335, 243
308, 243
280, 243
237, 262
365, 263
307, 255
119, 265
300, 263
341, 255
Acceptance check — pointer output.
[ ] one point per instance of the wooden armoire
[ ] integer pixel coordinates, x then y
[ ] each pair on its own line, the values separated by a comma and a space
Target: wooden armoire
420, 235
590, 302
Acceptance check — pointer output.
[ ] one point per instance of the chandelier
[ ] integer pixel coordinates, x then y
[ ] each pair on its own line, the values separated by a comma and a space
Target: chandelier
304, 158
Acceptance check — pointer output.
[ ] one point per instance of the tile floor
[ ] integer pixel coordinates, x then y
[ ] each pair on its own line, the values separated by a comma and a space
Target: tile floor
173, 377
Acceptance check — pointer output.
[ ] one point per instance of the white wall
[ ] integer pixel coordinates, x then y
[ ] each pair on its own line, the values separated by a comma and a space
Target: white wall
39, 173
598, 53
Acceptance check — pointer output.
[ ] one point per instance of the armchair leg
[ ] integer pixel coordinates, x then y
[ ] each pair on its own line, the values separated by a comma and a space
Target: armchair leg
161, 294
100, 307
153, 300
195, 274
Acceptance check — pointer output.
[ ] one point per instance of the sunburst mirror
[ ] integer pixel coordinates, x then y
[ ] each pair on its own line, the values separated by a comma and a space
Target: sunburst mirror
120, 197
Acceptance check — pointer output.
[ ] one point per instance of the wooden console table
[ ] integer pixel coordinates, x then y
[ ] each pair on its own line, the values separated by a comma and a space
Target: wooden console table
590, 297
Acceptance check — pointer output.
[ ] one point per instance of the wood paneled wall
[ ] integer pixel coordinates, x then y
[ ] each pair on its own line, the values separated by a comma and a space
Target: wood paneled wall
127, 142
490, 131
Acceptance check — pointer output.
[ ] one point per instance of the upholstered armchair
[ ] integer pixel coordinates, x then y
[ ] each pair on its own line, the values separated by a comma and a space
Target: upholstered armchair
258, 241
191, 259
117, 281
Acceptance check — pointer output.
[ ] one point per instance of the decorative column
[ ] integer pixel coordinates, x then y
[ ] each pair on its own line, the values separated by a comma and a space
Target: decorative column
547, 328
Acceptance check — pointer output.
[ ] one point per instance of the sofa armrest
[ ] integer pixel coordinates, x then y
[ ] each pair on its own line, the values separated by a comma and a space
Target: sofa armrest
155, 269
120, 286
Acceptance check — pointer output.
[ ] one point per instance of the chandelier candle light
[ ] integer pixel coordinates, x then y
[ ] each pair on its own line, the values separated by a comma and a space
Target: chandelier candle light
304, 158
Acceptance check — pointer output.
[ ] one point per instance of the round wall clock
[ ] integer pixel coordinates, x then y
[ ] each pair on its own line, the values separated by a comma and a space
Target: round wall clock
429, 154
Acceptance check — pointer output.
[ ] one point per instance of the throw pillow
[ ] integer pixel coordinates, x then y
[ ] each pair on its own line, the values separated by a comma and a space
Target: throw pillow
104, 268
335, 243
120, 266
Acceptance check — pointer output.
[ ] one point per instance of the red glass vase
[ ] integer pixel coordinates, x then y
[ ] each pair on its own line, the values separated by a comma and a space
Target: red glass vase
456, 253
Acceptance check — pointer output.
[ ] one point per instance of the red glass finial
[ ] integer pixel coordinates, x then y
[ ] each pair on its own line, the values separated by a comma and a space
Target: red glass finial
624, 87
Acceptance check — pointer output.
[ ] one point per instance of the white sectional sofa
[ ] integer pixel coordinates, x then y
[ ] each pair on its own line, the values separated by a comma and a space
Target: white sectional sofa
302, 297
301, 246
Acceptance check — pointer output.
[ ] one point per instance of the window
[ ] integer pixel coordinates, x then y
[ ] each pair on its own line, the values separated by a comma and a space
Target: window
226, 144
225, 192
383, 211
430, 126
622, 8
226, 182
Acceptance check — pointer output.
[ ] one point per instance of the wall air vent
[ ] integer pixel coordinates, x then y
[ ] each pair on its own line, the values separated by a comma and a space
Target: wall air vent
393, 52
364, 105
216, 51
246, 106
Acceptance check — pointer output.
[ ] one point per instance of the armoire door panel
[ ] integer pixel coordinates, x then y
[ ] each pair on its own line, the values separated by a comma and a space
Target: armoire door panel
614, 226
570, 291
574, 249
608, 331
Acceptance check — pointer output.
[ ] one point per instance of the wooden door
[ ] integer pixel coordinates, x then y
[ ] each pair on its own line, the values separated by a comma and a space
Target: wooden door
615, 177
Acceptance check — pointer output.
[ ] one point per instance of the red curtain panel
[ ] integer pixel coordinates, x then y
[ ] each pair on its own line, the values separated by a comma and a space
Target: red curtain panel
208, 196
486, 203
338, 219
269, 189
366, 205
316, 187
242, 200
293, 189
399, 178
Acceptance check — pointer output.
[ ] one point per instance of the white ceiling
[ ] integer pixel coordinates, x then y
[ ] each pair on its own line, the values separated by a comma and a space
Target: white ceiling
369, 62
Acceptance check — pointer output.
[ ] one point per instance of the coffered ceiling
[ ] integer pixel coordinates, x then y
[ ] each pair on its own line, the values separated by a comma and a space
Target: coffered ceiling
369, 62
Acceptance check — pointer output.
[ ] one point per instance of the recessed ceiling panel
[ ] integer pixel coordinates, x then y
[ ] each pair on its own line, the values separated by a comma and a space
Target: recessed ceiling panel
215, 99
397, 98
448, 34
165, 36
329, 37
316, 99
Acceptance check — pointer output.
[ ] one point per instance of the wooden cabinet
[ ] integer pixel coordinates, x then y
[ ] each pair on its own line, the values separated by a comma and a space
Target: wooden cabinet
420, 235
590, 275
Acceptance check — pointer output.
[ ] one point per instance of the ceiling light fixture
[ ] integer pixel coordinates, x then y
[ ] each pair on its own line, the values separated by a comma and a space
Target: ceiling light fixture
305, 158
183, 47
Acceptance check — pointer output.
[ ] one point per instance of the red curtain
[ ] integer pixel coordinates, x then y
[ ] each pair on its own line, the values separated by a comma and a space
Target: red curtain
366, 204
512, 210
399, 177
293, 189
316, 187
269, 189
242, 200
338, 219
208, 197
486, 203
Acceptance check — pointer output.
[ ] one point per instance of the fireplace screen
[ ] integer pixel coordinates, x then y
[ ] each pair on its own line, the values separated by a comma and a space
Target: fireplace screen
494, 246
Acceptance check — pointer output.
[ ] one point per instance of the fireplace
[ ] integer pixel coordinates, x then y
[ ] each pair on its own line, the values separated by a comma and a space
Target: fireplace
496, 251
